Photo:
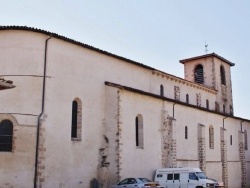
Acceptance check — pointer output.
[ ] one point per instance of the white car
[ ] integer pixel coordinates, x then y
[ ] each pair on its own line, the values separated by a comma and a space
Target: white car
136, 182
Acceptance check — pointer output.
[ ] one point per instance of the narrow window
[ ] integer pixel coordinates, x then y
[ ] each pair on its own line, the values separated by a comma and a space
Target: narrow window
139, 131
207, 104
6, 135
245, 140
222, 75
136, 131
198, 74
211, 137
186, 132
217, 107
231, 110
74, 120
162, 90
76, 123
224, 108
231, 140
187, 98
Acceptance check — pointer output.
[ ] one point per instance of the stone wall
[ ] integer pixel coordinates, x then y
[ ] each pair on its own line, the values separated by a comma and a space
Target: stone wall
224, 156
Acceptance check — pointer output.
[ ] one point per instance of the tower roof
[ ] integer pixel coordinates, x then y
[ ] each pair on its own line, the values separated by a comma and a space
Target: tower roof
183, 61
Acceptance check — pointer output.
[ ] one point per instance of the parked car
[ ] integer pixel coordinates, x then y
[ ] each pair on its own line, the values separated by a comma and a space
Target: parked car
137, 182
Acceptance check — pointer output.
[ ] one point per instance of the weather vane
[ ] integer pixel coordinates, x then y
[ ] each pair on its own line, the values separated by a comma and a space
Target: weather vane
206, 45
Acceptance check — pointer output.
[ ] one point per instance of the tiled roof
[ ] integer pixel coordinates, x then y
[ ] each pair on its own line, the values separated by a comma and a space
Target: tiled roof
91, 48
122, 87
55, 35
183, 61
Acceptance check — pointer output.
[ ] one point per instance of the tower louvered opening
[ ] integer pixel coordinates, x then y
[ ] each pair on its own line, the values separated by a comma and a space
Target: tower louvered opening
222, 75
198, 74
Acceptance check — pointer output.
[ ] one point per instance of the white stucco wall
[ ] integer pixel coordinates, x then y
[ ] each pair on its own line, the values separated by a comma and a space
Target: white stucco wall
74, 71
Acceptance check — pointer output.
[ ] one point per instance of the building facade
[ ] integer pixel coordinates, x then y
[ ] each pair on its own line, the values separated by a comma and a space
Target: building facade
79, 113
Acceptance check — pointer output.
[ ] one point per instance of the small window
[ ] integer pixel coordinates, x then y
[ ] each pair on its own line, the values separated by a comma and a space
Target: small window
231, 140
187, 98
6, 135
170, 177
231, 110
222, 75
162, 90
176, 176
217, 107
207, 104
198, 74
245, 140
76, 121
186, 132
224, 108
139, 131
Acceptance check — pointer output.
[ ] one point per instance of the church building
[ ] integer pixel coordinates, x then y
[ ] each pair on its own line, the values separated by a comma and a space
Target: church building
71, 113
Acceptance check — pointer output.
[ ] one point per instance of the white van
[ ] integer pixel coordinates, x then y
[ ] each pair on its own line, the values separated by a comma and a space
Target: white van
184, 178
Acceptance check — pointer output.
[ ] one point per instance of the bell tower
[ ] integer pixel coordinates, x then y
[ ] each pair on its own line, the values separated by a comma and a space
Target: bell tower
213, 71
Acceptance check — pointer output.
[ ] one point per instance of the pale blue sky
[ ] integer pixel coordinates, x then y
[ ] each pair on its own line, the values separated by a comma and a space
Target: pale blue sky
157, 33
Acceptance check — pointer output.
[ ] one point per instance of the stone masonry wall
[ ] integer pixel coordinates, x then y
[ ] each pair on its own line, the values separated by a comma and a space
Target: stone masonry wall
242, 160
224, 157
118, 136
202, 147
169, 159
41, 155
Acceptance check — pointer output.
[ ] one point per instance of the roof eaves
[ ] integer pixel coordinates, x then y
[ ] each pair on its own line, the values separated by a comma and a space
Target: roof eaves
55, 35
183, 61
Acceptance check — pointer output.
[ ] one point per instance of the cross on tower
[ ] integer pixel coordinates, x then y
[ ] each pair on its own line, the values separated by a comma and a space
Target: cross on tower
206, 45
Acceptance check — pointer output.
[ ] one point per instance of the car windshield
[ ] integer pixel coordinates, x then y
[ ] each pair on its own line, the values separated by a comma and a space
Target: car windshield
144, 180
201, 175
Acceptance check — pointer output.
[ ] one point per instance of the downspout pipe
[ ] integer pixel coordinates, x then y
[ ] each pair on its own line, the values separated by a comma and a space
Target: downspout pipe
42, 110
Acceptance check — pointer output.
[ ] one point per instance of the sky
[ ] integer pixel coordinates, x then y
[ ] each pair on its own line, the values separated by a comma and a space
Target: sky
157, 33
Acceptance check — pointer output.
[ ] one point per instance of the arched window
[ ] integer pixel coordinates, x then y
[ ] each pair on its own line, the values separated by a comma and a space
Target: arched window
6, 135
245, 140
76, 124
211, 137
198, 74
186, 132
162, 90
207, 104
222, 75
187, 98
139, 131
